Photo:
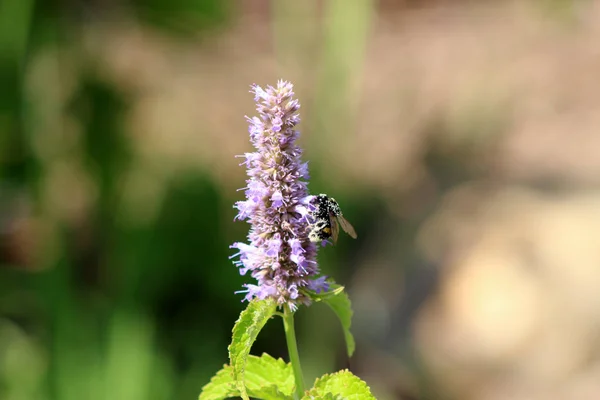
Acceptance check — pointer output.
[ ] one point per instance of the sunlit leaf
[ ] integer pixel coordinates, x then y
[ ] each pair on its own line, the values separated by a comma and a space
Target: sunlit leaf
245, 331
341, 385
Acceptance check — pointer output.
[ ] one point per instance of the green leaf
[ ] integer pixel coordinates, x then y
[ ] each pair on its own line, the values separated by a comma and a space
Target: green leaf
266, 378
326, 396
245, 331
341, 385
340, 304
221, 386
269, 378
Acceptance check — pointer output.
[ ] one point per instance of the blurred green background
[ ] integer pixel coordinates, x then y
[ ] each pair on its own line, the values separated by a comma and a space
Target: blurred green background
460, 138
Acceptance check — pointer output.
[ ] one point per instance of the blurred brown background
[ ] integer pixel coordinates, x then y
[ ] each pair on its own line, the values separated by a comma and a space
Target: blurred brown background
461, 139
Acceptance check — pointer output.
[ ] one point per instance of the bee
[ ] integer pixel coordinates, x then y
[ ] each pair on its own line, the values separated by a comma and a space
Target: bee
328, 219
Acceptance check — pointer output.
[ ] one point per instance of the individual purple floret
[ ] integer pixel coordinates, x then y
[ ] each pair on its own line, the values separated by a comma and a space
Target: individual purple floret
280, 256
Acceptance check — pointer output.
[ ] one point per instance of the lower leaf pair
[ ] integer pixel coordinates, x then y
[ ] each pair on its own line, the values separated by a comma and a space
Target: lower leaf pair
272, 379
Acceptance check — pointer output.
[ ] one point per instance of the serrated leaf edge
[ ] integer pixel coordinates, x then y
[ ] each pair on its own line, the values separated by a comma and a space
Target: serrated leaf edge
214, 378
246, 337
348, 337
333, 375
261, 361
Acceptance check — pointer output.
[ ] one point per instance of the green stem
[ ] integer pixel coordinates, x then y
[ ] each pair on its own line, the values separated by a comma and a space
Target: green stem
290, 337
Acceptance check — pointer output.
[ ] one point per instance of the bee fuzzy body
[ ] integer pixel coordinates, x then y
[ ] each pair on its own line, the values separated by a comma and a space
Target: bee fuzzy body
328, 218
320, 230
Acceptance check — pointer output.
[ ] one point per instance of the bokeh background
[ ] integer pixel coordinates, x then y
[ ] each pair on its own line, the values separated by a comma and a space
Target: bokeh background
461, 139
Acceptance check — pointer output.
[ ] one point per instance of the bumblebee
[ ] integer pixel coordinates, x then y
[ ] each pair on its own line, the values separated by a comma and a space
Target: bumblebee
328, 219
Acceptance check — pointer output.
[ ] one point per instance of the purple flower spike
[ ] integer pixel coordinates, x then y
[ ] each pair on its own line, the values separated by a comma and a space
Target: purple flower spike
280, 256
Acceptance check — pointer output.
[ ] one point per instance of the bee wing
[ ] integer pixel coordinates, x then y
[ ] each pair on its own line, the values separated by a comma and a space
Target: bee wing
335, 228
347, 226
